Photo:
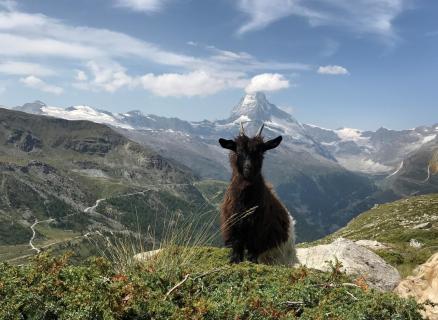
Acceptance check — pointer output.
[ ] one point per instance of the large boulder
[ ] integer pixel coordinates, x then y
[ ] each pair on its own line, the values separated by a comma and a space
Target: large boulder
355, 259
423, 286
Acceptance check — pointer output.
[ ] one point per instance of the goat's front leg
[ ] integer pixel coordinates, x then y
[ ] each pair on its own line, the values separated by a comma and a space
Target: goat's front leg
237, 251
253, 257
253, 253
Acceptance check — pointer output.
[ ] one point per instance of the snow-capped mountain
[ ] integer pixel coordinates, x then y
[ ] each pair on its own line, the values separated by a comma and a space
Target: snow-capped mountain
75, 113
375, 152
317, 172
256, 109
306, 175
371, 152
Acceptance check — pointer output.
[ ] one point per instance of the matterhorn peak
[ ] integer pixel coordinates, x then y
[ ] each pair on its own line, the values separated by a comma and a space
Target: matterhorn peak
255, 107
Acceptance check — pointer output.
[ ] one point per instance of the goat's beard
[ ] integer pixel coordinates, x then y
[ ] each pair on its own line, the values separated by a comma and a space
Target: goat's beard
250, 175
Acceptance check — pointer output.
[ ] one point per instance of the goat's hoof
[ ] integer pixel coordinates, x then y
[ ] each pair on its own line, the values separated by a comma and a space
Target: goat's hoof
235, 260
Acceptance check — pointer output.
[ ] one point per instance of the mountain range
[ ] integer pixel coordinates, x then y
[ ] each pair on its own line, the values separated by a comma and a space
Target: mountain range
371, 152
325, 177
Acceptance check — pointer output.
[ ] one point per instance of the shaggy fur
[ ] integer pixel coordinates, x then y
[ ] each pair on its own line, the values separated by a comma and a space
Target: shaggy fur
252, 217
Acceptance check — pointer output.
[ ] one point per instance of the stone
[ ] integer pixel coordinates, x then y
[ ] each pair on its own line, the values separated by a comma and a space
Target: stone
371, 244
423, 286
147, 255
415, 243
356, 260
425, 225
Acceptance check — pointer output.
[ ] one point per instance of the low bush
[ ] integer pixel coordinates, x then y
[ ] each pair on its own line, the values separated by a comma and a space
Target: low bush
206, 287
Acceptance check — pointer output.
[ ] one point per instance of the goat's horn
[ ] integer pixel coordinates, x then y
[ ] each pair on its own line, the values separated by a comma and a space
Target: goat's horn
242, 131
260, 130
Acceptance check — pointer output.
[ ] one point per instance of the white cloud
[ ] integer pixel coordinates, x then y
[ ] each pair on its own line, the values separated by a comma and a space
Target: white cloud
23, 34
37, 83
111, 77
108, 76
141, 5
36, 35
81, 76
333, 70
24, 68
197, 83
2, 89
18, 46
360, 16
267, 82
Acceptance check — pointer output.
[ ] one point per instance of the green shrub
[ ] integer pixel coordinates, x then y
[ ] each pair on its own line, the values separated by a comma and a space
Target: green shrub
206, 288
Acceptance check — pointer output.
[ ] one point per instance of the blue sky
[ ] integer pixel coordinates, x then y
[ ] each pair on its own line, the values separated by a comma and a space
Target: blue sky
363, 63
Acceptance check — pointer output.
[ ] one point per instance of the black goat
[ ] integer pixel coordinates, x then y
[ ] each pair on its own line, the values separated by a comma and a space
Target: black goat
252, 217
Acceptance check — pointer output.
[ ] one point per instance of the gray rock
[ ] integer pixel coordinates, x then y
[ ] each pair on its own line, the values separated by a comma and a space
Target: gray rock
371, 244
425, 225
147, 255
356, 260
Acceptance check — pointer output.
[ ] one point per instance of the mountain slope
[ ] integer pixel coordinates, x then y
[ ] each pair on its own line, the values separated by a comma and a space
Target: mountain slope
408, 230
378, 152
417, 173
60, 175
305, 174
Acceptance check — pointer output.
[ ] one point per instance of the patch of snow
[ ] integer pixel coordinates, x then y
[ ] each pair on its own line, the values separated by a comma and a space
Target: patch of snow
357, 163
242, 118
349, 134
315, 126
333, 143
83, 113
293, 129
426, 139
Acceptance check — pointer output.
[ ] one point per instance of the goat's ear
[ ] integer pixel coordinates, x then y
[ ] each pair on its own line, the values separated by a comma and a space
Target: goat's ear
271, 144
227, 144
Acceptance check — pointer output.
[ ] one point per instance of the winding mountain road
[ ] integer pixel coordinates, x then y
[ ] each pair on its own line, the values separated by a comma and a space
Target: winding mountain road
428, 174
32, 227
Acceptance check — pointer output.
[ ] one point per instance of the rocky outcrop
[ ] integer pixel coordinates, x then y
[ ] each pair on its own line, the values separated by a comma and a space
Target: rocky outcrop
147, 255
98, 146
25, 141
423, 286
371, 244
355, 259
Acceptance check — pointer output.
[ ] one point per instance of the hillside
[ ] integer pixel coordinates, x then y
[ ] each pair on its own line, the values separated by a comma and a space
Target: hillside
189, 283
321, 193
66, 180
407, 230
